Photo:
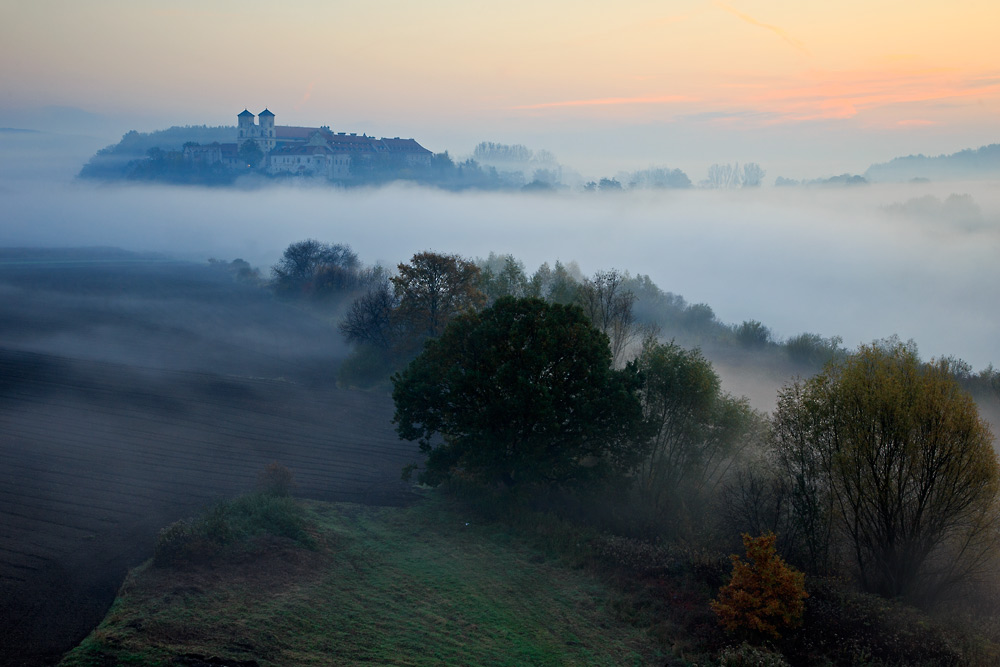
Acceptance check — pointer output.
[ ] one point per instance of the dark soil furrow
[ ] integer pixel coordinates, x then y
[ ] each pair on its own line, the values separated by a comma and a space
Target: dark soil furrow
133, 393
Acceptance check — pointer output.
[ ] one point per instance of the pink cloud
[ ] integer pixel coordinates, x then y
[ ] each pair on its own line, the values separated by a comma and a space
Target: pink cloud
775, 29
835, 95
305, 96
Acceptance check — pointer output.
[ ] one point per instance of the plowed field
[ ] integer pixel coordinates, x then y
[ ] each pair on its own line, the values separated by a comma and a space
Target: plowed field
133, 392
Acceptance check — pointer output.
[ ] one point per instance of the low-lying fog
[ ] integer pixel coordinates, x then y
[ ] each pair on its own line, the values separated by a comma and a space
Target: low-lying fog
861, 263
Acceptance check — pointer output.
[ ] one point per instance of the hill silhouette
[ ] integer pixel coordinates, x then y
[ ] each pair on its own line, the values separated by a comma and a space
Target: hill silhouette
969, 164
136, 390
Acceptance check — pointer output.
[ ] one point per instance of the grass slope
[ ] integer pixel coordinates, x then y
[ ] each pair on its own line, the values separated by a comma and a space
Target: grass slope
380, 585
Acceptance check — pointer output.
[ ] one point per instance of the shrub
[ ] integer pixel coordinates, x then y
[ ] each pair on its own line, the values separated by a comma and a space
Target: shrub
752, 333
182, 542
746, 655
813, 349
229, 527
850, 628
275, 480
764, 596
637, 557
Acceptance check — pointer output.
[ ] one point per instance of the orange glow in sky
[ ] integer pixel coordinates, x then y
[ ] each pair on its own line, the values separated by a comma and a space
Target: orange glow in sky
517, 67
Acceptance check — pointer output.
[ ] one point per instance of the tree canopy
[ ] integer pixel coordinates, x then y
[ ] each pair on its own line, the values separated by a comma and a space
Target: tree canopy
895, 451
694, 430
518, 393
305, 264
433, 288
250, 154
607, 302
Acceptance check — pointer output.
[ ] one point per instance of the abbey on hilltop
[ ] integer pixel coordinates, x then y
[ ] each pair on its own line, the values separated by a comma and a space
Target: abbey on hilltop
316, 151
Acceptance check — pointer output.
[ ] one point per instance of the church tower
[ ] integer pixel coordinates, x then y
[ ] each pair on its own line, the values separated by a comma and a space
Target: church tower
245, 127
267, 138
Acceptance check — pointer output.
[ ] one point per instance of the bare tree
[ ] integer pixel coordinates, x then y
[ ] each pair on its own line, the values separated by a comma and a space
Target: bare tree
752, 176
303, 261
731, 176
371, 318
724, 176
608, 304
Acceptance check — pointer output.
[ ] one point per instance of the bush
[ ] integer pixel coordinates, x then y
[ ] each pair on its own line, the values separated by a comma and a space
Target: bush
275, 480
746, 655
764, 596
229, 527
752, 333
637, 557
182, 542
812, 349
850, 628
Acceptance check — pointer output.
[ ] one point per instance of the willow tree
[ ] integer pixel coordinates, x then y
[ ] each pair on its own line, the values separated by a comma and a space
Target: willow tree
904, 462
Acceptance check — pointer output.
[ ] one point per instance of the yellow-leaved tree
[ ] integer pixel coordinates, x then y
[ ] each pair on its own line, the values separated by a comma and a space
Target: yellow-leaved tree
765, 595
892, 464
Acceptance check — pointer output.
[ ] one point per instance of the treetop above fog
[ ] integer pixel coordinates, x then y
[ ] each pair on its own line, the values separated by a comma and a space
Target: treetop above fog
520, 392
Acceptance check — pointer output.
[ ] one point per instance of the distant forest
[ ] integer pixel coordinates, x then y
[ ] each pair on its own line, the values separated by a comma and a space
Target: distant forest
365, 301
118, 161
971, 163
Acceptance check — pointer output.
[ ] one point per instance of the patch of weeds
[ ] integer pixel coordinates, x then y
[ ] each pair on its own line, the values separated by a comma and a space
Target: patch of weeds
229, 527
746, 655
849, 628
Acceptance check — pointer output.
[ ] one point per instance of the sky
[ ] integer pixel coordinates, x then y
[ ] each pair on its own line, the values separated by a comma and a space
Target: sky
806, 89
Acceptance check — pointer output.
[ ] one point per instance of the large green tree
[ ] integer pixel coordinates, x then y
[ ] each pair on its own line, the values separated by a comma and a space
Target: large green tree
893, 453
522, 392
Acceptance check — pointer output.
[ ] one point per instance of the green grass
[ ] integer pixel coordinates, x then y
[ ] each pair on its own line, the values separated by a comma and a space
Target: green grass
229, 528
422, 585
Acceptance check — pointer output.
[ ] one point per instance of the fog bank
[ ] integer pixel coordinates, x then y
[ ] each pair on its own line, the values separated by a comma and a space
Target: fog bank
834, 262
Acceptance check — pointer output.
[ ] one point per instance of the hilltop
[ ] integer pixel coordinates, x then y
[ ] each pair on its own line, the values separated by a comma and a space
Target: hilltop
387, 586
971, 164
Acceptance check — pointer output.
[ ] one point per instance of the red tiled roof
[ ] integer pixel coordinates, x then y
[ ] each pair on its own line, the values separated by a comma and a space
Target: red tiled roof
397, 145
292, 133
341, 142
300, 149
351, 139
